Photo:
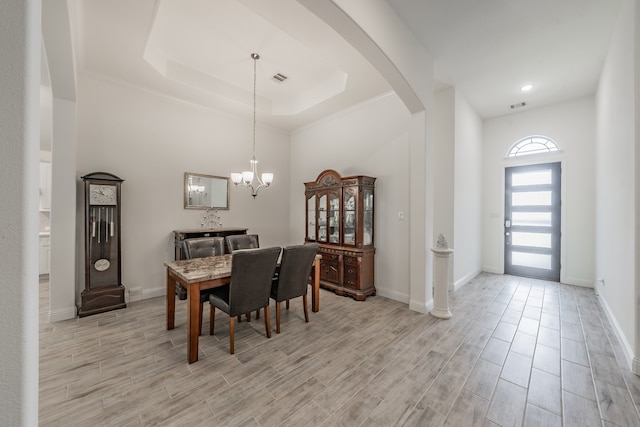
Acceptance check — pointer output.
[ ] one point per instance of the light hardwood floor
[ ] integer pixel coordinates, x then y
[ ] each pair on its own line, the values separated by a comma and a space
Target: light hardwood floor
516, 352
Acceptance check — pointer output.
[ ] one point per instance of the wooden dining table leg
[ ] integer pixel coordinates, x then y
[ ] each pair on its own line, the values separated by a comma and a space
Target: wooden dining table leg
193, 330
315, 287
171, 301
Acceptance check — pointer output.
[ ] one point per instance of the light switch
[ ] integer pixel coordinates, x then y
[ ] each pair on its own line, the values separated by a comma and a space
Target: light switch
401, 215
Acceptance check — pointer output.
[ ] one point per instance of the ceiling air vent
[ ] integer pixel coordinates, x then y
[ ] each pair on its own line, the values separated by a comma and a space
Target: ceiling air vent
518, 105
279, 77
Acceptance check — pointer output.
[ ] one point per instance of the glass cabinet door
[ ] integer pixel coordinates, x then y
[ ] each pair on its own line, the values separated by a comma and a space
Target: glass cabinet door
350, 203
311, 218
334, 218
367, 235
322, 218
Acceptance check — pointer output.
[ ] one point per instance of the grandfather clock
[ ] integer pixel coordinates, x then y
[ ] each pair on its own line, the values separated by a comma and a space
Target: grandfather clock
103, 290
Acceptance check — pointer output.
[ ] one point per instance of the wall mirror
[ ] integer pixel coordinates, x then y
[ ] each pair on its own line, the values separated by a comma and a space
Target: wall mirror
205, 191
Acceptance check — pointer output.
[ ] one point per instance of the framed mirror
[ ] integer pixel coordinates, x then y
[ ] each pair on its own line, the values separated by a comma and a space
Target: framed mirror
205, 191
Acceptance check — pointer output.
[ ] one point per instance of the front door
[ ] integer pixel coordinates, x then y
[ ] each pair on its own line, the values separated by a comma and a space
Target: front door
532, 221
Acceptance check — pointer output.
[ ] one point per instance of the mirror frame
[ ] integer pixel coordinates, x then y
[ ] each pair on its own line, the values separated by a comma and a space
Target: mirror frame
212, 179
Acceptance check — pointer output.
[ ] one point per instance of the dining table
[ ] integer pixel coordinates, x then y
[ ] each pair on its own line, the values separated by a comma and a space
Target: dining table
198, 274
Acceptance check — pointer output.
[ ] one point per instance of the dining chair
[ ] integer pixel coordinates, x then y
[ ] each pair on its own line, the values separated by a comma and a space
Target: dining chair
237, 242
242, 241
202, 247
249, 289
293, 276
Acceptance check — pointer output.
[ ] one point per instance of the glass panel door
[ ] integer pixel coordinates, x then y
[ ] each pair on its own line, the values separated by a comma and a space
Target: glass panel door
334, 218
350, 215
311, 218
532, 221
322, 218
367, 236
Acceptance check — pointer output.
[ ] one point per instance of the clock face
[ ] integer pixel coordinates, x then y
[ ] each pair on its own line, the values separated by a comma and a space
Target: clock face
102, 194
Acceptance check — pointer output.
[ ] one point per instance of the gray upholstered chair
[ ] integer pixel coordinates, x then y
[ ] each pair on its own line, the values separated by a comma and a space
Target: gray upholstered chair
293, 277
242, 241
202, 247
251, 274
237, 242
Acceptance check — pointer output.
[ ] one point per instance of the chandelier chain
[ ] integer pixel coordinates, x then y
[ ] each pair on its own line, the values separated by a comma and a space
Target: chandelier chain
255, 57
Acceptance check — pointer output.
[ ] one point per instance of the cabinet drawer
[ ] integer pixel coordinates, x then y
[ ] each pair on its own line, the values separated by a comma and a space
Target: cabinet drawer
351, 279
329, 271
328, 257
351, 272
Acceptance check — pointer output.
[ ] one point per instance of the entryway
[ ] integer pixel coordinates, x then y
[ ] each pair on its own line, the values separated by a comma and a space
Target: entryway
532, 221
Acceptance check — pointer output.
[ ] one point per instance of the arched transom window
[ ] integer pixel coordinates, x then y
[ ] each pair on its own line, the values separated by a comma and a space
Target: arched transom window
532, 145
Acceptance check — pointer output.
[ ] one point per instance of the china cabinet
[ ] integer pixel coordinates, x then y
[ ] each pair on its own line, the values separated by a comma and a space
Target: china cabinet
339, 215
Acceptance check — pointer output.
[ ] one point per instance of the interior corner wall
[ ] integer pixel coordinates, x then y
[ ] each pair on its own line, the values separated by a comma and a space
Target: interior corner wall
467, 193
444, 140
617, 179
571, 125
150, 141
370, 139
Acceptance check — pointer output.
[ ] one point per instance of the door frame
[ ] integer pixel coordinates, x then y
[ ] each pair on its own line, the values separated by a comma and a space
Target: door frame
555, 157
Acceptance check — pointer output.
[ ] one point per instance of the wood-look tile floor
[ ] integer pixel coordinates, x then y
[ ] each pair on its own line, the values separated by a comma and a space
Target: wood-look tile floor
517, 352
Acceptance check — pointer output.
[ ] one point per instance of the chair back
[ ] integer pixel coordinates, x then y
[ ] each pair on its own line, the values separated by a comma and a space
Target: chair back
201, 247
295, 268
251, 274
242, 241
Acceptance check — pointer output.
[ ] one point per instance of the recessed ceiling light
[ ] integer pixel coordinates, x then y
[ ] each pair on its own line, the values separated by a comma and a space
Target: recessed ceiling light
527, 87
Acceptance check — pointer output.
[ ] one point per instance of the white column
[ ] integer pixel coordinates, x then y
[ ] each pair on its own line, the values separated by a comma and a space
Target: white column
441, 279
19, 162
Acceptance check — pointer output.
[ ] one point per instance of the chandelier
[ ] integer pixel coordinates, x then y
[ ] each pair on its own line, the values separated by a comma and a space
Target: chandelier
251, 179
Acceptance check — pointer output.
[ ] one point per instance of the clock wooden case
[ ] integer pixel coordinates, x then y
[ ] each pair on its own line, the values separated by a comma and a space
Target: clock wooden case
339, 216
103, 289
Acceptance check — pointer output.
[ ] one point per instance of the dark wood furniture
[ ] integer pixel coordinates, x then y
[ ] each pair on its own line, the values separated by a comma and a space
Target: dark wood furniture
205, 273
103, 289
340, 217
180, 235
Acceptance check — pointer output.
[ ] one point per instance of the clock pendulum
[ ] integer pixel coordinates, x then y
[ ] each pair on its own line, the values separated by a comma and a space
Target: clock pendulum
103, 262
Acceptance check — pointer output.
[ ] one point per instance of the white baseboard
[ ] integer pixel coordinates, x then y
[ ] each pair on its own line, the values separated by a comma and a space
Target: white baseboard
63, 314
492, 270
463, 281
154, 292
632, 362
578, 282
421, 307
396, 296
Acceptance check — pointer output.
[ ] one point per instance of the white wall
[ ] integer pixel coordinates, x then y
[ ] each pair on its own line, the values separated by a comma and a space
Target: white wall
571, 125
616, 179
150, 141
458, 183
467, 193
370, 139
